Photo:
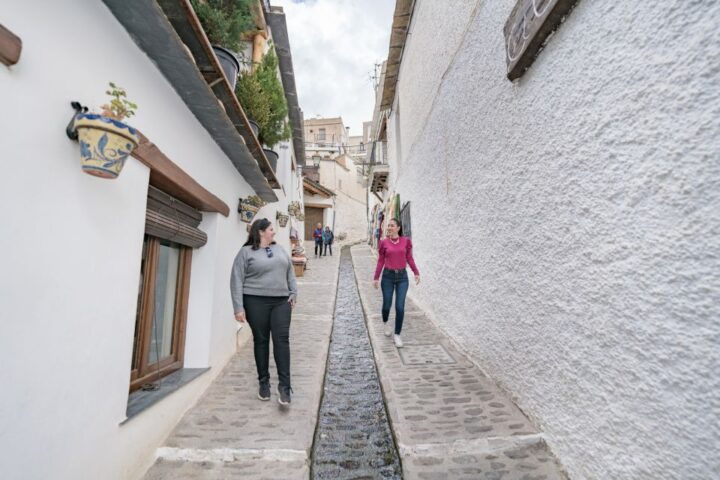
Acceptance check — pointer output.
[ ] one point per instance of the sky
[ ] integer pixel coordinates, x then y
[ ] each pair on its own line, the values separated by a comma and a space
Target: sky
335, 44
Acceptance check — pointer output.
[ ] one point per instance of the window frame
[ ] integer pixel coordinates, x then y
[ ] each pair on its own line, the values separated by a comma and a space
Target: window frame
141, 371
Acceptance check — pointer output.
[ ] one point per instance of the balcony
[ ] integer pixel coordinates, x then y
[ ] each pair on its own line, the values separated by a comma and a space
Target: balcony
379, 178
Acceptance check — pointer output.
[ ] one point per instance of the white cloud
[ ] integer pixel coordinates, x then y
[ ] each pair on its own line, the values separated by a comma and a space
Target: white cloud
335, 44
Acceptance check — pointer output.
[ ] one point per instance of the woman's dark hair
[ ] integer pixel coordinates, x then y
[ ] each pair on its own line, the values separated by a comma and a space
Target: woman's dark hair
258, 226
397, 222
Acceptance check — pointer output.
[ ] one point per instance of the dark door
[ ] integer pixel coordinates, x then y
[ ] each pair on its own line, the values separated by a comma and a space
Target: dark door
313, 216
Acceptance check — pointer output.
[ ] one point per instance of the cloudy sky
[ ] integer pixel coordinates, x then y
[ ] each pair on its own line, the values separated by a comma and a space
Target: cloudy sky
335, 44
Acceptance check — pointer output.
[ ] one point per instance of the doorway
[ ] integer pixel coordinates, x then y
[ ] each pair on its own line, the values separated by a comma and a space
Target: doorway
313, 216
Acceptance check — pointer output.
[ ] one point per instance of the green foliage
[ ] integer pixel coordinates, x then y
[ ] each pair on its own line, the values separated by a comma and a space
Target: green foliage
224, 21
119, 107
262, 96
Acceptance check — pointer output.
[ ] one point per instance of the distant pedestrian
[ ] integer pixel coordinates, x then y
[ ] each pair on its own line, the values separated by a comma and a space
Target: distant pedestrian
318, 236
263, 290
395, 254
328, 238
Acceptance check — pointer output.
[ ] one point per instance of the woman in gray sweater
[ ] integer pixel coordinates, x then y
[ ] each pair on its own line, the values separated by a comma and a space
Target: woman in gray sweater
263, 290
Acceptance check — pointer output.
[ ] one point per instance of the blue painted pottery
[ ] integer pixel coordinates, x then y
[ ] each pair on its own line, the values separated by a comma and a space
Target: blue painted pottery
105, 144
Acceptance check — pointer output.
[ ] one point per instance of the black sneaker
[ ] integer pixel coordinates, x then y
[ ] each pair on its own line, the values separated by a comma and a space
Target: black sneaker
264, 392
284, 393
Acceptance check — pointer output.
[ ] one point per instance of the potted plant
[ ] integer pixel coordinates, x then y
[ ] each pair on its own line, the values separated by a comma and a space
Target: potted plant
224, 22
249, 207
261, 94
282, 219
294, 208
105, 141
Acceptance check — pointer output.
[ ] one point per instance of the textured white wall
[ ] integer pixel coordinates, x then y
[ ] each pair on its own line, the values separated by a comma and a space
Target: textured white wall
350, 200
567, 226
71, 247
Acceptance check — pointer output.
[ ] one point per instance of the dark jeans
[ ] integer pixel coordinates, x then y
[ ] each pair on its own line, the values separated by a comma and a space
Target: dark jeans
328, 245
318, 247
270, 316
397, 282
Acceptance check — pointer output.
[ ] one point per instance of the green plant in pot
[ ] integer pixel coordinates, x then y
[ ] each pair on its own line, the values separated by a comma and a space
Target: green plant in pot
294, 208
262, 96
224, 22
106, 141
249, 207
282, 219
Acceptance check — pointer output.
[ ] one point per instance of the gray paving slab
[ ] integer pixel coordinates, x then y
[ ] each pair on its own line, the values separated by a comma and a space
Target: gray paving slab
229, 433
449, 419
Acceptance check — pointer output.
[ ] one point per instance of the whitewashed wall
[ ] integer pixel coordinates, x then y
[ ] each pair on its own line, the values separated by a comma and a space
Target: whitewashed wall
350, 201
570, 222
71, 247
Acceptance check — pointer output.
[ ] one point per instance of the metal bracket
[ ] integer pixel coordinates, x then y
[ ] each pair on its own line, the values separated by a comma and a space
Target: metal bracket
70, 129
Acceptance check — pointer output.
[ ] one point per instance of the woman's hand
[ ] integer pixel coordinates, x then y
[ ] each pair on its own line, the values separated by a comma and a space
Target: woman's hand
376, 284
240, 317
417, 279
291, 301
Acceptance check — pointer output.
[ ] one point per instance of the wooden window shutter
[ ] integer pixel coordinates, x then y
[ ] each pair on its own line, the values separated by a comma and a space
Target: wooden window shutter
170, 219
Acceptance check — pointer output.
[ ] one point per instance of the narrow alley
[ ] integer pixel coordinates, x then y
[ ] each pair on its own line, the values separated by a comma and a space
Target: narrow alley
212, 206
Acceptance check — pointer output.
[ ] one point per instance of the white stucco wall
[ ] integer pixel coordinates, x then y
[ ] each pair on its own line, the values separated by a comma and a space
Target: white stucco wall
71, 248
569, 222
350, 211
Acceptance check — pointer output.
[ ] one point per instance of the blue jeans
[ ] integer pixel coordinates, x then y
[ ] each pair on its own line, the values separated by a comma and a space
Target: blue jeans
397, 282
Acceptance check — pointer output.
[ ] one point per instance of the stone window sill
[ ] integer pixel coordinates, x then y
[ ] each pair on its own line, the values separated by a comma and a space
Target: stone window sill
140, 400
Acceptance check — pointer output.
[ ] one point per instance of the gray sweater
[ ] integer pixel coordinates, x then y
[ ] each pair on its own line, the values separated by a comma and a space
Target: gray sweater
253, 273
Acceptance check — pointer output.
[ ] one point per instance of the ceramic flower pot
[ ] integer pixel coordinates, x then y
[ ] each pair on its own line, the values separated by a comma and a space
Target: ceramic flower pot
254, 127
272, 157
247, 211
229, 63
105, 144
282, 219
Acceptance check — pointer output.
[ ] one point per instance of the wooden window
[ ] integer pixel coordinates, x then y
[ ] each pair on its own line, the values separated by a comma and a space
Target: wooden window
171, 232
162, 310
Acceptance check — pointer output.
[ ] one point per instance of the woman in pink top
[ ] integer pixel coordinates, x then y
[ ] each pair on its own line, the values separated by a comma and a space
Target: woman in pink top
395, 254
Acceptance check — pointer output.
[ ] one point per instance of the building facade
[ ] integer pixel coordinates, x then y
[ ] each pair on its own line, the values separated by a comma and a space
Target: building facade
115, 293
331, 162
566, 224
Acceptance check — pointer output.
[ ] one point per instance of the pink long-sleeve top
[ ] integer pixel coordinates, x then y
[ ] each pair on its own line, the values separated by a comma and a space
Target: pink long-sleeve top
395, 256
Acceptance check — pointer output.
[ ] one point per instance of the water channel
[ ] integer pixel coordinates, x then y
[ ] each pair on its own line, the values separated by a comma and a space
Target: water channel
353, 439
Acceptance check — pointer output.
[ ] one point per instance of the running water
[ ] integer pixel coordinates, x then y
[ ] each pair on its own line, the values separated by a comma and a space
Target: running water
353, 438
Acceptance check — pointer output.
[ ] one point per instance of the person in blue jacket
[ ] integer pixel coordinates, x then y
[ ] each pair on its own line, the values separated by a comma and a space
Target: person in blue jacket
318, 237
328, 237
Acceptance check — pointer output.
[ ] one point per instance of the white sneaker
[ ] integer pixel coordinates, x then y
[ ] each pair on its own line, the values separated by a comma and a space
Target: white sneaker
398, 341
388, 329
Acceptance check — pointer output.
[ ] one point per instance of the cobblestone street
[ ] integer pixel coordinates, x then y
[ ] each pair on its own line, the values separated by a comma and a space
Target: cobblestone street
230, 434
448, 419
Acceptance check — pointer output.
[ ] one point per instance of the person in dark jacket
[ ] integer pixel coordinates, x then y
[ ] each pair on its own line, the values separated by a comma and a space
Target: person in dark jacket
328, 238
318, 236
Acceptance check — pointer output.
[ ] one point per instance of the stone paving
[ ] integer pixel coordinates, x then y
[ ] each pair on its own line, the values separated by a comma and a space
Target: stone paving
449, 419
353, 438
230, 434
